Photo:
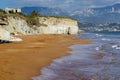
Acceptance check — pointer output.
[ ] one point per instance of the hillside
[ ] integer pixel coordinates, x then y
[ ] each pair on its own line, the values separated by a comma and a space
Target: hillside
19, 24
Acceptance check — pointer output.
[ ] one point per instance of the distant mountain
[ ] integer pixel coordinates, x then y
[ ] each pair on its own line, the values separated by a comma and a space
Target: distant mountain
108, 14
98, 15
45, 11
97, 11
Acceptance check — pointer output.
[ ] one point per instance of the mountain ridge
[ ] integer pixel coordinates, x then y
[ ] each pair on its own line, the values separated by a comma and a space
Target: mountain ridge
105, 14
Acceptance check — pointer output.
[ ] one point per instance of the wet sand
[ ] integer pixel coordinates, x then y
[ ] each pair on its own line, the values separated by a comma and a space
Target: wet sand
23, 60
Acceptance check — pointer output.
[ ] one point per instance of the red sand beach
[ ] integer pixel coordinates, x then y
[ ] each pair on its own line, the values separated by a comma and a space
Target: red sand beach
23, 60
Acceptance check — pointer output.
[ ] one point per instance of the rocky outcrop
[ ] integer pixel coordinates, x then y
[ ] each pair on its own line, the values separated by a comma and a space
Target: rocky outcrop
3, 21
54, 25
4, 35
48, 25
17, 25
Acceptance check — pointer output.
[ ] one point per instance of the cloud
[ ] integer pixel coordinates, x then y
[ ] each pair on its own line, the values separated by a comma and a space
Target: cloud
64, 4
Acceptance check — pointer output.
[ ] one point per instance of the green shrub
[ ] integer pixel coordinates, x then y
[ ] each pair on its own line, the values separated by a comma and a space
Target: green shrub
32, 21
2, 13
34, 14
33, 18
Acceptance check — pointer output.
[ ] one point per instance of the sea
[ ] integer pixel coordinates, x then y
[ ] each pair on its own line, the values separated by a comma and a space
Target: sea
99, 60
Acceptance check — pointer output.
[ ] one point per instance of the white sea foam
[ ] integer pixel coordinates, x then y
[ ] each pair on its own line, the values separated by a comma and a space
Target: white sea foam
117, 48
114, 46
47, 71
97, 48
105, 39
98, 35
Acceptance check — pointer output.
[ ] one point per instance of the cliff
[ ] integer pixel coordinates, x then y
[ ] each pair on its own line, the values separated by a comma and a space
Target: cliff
17, 25
53, 25
48, 25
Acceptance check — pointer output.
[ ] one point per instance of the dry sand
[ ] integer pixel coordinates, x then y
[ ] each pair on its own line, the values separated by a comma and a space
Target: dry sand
23, 60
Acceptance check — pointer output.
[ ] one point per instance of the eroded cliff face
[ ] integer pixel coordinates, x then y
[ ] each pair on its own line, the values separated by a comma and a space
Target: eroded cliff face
54, 25
48, 25
17, 25
4, 34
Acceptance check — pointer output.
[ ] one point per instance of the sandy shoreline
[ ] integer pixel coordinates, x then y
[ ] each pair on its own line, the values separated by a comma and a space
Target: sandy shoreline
23, 60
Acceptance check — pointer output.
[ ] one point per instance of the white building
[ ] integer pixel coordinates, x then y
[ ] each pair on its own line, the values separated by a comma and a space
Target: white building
13, 10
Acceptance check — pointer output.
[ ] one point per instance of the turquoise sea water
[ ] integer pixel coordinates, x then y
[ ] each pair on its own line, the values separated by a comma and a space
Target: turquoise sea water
97, 61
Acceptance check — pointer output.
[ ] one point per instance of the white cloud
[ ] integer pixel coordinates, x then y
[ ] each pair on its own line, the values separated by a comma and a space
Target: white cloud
65, 4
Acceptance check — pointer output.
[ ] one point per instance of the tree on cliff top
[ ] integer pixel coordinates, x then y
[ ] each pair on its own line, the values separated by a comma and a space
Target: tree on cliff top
2, 12
32, 19
34, 14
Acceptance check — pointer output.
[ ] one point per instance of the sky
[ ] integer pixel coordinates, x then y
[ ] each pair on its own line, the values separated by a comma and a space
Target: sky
63, 4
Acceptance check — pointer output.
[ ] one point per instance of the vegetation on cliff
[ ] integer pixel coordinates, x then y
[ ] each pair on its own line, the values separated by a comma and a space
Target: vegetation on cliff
2, 13
31, 19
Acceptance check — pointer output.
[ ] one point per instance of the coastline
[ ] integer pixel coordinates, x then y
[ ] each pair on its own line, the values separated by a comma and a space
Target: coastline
23, 60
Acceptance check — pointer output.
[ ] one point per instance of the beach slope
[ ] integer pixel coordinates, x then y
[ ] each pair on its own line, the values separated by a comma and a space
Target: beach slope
23, 60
